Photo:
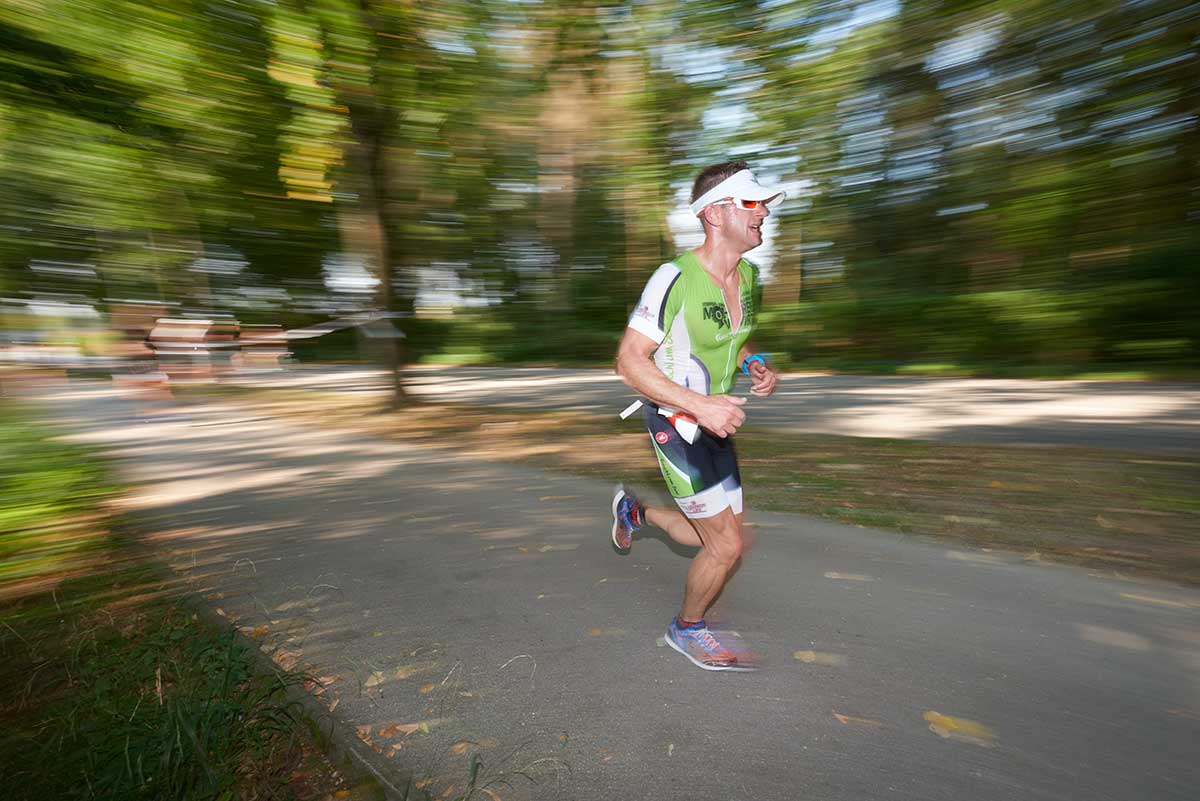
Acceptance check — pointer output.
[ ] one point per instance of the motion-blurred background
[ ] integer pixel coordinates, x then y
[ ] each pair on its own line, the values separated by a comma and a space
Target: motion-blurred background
989, 188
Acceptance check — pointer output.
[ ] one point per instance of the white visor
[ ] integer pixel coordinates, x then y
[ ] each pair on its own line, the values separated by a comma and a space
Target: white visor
742, 186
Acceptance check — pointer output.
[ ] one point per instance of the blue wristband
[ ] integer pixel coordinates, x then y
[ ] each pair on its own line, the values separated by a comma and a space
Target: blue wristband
758, 357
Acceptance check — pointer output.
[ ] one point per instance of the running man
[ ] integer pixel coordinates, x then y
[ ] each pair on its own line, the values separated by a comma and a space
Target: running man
684, 345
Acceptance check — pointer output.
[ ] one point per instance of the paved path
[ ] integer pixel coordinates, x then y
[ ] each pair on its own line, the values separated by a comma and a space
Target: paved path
1106, 414
485, 602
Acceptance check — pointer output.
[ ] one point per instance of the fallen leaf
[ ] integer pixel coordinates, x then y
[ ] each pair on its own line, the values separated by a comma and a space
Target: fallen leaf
595, 632
670, 749
490, 794
461, 747
818, 658
364, 733
375, 679
392, 729
286, 659
333, 706
422, 784
426, 689
406, 671
846, 720
967, 731
260, 632
848, 576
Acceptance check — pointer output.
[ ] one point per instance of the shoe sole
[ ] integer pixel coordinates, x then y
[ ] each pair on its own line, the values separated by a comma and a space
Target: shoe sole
722, 668
618, 494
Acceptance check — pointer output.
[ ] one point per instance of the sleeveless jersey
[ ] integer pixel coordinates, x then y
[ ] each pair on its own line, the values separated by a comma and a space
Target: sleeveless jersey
684, 311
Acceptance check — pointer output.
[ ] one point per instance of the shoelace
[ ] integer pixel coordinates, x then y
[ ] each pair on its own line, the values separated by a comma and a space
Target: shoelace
708, 641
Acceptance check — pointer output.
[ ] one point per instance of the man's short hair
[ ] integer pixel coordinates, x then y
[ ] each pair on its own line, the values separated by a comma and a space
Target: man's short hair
712, 175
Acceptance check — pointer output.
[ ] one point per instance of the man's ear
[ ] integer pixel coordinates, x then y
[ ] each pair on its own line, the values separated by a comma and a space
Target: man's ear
711, 215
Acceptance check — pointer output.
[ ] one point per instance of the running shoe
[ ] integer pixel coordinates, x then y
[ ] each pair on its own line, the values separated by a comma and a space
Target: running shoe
628, 517
704, 650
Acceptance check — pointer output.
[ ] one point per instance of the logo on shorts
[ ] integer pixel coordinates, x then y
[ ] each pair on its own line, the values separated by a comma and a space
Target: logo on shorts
693, 507
661, 437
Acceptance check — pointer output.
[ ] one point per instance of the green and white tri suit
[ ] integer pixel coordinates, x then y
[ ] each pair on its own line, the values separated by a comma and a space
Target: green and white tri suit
683, 310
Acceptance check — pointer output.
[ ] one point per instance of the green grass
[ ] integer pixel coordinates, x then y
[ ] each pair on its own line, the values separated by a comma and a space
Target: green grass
112, 696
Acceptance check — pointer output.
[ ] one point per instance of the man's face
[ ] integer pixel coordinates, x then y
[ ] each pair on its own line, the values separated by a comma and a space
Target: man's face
743, 227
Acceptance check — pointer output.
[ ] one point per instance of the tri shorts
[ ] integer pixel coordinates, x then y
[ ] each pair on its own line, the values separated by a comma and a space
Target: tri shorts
702, 476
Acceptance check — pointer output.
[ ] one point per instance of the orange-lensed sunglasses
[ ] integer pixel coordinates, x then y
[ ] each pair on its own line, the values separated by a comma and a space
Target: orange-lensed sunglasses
745, 205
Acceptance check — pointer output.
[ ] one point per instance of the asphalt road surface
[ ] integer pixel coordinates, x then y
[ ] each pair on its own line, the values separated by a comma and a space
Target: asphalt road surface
482, 608
1105, 414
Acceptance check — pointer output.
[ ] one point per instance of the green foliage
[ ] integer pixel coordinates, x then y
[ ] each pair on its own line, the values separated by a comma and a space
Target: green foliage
972, 182
46, 485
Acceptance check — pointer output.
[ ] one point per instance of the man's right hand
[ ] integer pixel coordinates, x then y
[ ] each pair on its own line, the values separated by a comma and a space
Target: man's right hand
720, 415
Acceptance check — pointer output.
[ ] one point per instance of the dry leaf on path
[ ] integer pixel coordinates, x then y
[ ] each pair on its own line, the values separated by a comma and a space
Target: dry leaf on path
832, 574
286, 659
393, 729
846, 720
818, 658
968, 731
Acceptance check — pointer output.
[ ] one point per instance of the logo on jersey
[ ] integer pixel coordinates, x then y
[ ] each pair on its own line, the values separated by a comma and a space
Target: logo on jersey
717, 313
644, 312
661, 437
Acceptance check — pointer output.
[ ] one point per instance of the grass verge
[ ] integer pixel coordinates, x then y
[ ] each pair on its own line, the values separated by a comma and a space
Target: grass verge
1123, 511
112, 687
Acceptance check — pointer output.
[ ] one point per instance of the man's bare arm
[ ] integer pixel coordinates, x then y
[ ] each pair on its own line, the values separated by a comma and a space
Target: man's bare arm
720, 414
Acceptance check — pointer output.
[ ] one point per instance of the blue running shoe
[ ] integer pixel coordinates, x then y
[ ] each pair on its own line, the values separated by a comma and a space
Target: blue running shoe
699, 645
628, 517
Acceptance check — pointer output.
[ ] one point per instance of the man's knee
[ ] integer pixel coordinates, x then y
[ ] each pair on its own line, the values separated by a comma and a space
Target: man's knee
722, 536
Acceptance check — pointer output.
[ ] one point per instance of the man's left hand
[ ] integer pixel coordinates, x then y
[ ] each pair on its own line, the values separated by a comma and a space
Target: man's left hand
762, 379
